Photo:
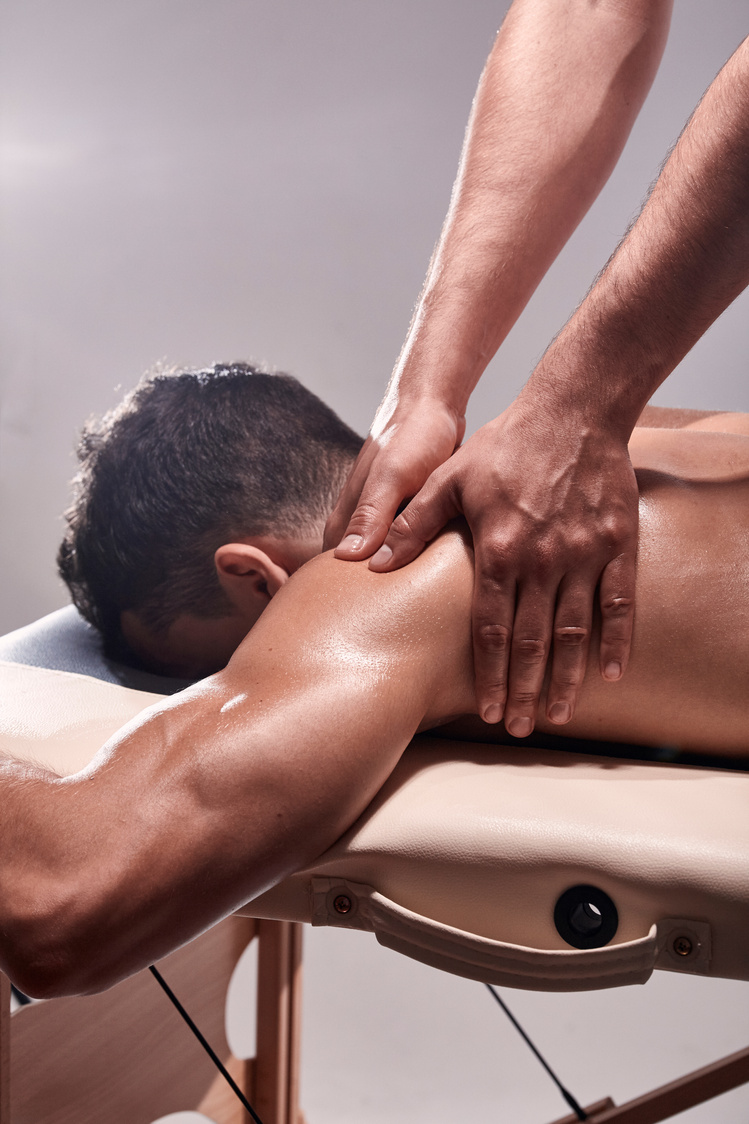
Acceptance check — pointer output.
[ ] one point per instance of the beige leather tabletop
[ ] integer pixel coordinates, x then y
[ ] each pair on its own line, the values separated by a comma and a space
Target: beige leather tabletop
465, 855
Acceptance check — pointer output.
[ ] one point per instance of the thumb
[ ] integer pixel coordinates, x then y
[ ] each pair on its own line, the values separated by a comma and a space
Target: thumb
427, 513
370, 521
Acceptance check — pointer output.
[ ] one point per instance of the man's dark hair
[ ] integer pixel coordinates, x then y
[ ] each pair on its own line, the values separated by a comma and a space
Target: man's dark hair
190, 460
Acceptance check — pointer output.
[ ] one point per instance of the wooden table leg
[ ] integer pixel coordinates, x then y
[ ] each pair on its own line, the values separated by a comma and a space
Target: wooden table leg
276, 1070
295, 1037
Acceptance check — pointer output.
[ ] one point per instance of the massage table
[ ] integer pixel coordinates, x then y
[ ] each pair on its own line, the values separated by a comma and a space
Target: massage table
523, 866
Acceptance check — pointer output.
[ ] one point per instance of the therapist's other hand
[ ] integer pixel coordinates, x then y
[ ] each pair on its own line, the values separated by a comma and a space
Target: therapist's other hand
552, 504
406, 443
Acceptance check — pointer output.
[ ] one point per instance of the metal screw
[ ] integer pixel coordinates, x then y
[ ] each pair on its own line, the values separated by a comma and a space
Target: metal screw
342, 904
682, 946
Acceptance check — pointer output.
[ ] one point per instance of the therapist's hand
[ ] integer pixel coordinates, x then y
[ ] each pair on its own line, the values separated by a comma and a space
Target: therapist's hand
408, 440
552, 506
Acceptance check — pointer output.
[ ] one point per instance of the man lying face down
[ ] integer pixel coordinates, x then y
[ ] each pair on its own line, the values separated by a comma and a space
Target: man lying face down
203, 491
221, 791
196, 498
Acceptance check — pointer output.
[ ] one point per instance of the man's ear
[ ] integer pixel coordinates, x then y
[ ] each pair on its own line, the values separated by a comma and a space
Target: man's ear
248, 576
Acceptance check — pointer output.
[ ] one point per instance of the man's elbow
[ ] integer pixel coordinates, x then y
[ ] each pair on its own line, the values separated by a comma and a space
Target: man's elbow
47, 947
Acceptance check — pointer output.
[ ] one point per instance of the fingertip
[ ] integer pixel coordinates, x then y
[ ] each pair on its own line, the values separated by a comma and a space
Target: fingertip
492, 713
350, 546
381, 558
389, 558
520, 727
559, 713
612, 671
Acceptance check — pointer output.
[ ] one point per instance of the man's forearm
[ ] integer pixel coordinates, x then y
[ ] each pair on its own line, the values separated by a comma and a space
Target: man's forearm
683, 262
554, 107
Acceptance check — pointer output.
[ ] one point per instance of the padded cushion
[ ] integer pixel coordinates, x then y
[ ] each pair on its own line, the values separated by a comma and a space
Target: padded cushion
59, 719
64, 641
462, 857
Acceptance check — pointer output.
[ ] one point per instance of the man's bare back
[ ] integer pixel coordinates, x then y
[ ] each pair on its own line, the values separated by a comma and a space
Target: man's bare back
686, 682
219, 793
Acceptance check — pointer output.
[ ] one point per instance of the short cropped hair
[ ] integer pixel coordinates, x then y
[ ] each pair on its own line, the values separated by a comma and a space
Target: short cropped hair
189, 460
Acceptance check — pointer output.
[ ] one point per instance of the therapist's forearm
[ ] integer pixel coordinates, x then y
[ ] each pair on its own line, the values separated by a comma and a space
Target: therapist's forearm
683, 262
554, 107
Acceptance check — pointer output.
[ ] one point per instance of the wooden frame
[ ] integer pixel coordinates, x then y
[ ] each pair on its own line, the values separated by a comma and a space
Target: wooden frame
126, 1055
276, 1080
271, 1079
677, 1096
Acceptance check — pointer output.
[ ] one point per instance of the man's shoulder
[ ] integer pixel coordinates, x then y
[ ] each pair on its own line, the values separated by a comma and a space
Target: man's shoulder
332, 603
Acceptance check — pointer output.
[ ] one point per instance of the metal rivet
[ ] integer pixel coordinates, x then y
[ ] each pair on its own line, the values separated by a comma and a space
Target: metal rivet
682, 946
342, 904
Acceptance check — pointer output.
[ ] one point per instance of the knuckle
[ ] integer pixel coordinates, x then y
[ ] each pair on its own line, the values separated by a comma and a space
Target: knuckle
571, 636
408, 526
566, 680
494, 563
493, 637
529, 653
365, 519
613, 532
493, 691
616, 650
368, 511
523, 699
616, 605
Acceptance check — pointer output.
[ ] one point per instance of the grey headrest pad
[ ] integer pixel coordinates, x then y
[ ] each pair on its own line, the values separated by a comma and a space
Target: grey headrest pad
64, 641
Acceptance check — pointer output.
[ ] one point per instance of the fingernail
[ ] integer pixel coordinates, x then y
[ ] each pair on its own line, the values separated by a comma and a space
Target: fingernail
612, 670
383, 555
560, 713
351, 542
493, 713
520, 727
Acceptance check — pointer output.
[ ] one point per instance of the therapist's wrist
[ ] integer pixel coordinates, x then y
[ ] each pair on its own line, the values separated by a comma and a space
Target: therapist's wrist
447, 350
443, 381
412, 405
587, 379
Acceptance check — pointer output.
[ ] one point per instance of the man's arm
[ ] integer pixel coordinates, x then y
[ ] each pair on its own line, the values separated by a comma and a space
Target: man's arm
555, 104
212, 797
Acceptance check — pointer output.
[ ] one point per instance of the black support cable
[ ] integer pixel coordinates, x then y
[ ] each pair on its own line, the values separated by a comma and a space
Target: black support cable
211, 1053
579, 1112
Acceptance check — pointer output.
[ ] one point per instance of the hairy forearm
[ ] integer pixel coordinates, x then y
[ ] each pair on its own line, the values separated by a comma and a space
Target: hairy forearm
682, 263
554, 106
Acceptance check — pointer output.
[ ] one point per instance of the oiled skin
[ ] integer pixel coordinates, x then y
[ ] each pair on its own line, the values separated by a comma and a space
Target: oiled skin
687, 681
217, 794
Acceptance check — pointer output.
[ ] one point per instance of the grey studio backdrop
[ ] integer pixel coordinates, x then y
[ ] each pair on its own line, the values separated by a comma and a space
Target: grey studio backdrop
194, 180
